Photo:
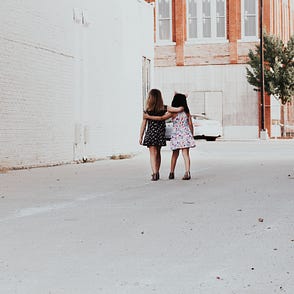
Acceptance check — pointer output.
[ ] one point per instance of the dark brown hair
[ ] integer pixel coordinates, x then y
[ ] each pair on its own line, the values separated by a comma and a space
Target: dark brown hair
180, 100
154, 101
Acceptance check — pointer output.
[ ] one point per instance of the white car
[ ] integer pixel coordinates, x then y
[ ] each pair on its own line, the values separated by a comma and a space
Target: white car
204, 127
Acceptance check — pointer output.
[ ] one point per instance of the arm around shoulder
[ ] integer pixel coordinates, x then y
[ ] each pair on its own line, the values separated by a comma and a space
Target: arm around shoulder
153, 117
175, 109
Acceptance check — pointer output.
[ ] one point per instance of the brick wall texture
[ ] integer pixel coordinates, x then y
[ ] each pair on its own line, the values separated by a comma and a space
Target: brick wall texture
62, 75
278, 19
36, 91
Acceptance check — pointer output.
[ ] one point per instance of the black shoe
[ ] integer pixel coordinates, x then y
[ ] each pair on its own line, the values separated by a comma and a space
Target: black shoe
186, 176
155, 177
171, 176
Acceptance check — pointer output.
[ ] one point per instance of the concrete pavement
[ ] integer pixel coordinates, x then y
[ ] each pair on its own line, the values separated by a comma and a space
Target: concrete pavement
104, 227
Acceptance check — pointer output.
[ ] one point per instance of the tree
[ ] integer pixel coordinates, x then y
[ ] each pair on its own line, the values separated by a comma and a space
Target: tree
285, 74
278, 68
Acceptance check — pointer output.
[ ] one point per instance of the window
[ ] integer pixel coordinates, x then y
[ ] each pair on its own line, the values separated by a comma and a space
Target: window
206, 12
206, 19
164, 20
220, 19
250, 16
192, 19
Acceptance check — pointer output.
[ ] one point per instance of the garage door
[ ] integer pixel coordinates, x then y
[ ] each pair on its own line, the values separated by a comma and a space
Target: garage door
208, 103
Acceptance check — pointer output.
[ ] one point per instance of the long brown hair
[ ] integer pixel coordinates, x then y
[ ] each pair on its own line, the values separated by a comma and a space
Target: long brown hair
154, 101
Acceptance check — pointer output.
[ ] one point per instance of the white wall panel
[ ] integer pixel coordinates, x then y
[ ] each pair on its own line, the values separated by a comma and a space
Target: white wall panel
239, 101
71, 89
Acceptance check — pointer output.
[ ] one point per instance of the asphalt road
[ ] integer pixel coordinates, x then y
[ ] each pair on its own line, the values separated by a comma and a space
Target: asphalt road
104, 227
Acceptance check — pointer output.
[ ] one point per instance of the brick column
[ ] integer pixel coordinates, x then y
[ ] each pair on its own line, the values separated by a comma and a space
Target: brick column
267, 98
267, 16
267, 114
179, 17
233, 28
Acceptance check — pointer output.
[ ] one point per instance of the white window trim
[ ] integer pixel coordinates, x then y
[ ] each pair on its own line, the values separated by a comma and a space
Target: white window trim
249, 38
213, 38
206, 41
164, 42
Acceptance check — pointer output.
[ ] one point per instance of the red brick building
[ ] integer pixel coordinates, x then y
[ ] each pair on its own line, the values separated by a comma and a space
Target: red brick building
202, 48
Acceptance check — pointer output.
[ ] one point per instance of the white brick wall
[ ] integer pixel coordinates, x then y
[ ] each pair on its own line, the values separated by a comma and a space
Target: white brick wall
58, 77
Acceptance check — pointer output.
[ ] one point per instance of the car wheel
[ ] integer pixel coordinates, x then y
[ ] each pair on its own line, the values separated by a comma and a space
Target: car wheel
211, 138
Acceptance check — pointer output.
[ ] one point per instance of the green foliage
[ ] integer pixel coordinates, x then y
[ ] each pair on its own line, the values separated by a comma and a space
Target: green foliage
278, 68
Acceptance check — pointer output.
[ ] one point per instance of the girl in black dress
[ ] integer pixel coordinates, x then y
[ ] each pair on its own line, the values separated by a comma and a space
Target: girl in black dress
154, 137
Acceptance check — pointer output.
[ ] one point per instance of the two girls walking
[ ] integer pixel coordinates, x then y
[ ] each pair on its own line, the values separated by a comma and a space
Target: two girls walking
182, 134
154, 137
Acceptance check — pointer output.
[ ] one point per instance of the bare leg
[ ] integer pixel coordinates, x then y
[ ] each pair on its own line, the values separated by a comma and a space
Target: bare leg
153, 159
158, 158
174, 158
186, 156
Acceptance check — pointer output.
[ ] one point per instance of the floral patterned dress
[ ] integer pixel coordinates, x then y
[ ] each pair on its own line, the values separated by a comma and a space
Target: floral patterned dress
181, 136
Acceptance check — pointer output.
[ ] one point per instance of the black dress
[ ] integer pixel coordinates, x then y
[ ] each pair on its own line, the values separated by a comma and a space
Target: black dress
155, 134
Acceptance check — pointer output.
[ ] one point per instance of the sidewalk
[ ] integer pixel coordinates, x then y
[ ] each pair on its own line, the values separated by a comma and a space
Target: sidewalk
104, 227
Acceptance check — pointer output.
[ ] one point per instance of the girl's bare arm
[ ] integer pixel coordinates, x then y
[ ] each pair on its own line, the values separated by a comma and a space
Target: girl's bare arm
153, 117
142, 130
175, 109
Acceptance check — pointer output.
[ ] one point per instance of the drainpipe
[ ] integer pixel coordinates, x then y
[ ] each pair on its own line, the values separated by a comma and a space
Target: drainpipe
263, 131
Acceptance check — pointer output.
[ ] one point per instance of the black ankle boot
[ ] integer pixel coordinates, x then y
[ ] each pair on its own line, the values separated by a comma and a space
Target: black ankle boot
187, 176
155, 177
171, 176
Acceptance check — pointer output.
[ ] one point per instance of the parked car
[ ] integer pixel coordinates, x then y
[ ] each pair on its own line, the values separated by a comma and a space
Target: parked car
204, 128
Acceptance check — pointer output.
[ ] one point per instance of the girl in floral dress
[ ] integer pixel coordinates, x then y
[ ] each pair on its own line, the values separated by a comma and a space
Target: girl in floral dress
182, 134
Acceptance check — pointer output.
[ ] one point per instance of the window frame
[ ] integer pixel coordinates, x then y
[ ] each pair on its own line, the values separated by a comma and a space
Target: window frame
213, 17
158, 40
243, 36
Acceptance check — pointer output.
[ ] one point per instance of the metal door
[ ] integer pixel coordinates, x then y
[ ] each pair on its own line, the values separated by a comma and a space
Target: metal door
209, 103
